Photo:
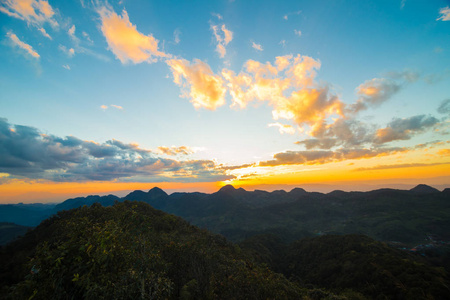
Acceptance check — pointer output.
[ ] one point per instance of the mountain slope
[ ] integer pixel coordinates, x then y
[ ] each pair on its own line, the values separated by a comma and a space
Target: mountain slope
130, 251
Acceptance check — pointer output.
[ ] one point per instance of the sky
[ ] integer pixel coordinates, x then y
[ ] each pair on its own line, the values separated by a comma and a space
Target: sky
101, 97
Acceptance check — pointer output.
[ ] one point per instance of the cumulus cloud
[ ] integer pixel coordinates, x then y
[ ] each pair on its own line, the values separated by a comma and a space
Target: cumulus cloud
26, 152
223, 36
257, 46
288, 86
322, 157
199, 83
403, 129
374, 92
125, 41
17, 42
34, 12
444, 14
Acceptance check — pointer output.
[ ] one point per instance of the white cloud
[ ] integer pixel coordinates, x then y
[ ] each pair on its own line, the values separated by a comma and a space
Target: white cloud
297, 32
67, 67
17, 42
257, 46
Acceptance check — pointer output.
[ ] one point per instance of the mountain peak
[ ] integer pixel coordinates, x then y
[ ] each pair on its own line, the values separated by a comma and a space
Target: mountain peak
424, 189
227, 188
156, 191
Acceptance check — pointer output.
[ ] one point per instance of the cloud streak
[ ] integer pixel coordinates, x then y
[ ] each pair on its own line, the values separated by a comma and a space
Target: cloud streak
17, 42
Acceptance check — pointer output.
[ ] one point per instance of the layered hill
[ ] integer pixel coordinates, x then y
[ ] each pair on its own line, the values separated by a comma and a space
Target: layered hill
408, 217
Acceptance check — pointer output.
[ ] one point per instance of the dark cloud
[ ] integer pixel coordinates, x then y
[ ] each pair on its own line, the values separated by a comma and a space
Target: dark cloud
444, 108
374, 92
25, 152
403, 129
322, 157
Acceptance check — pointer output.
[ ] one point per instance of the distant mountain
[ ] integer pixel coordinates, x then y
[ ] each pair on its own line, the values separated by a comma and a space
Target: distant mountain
89, 200
406, 216
424, 189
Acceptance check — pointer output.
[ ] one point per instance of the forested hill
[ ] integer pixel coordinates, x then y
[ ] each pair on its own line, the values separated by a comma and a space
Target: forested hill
407, 217
133, 251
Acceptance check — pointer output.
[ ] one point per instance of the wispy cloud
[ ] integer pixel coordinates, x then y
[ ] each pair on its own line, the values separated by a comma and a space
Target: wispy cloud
70, 52
105, 107
403, 129
444, 107
294, 13
322, 157
44, 33
125, 41
218, 16
257, 46
297, 32
223, 36
176, 36
401, 166
34, 12
117, 106
283, 128
173, 151
67, 67
17, 42
444, 14
374, 92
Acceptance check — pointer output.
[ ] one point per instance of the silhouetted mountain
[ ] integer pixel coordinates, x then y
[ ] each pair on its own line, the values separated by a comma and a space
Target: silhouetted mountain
405, 216
424, 189
89, 200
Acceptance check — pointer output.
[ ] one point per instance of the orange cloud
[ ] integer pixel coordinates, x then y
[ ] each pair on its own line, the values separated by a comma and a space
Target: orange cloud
200, 84
32, 11
125, 41
322, 157
175, 150
222, 39
17, 42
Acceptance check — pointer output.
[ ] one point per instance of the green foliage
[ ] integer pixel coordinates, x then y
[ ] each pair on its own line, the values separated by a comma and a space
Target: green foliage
363, 265
132, 251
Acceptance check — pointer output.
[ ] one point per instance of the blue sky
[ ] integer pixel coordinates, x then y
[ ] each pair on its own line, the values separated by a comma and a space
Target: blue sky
351, 76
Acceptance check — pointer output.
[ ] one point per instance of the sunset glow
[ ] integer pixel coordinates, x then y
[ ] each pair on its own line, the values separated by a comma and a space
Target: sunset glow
102, 97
